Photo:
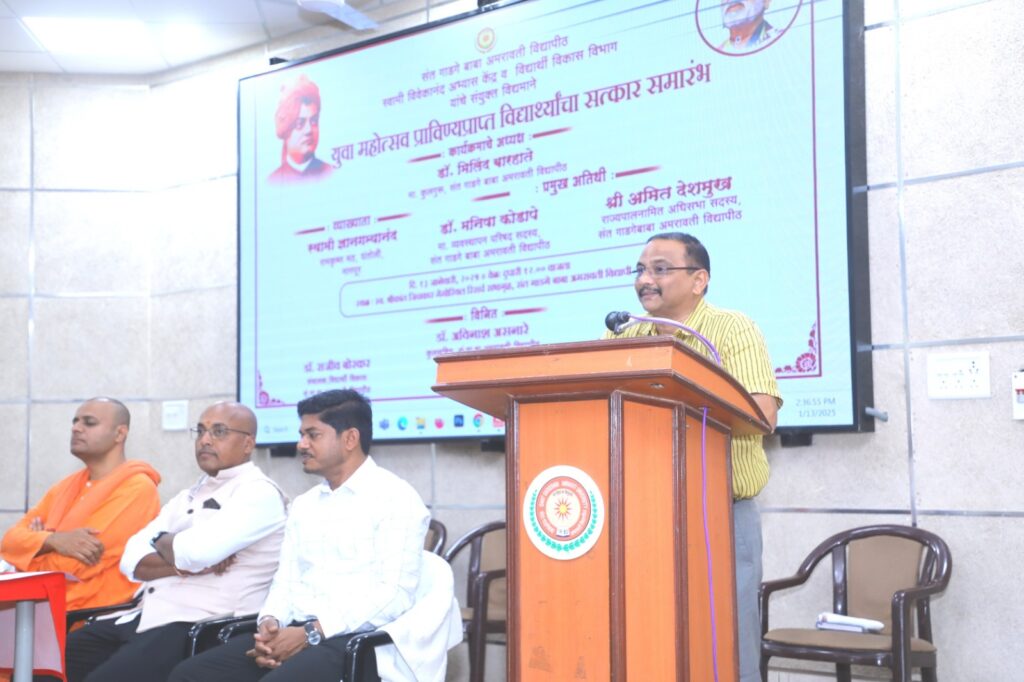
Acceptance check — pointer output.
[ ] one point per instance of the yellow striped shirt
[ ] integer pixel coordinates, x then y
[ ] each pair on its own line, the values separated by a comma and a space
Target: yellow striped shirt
744, 354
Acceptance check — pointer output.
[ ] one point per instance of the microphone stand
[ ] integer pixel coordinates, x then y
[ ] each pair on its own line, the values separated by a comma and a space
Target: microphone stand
634, 319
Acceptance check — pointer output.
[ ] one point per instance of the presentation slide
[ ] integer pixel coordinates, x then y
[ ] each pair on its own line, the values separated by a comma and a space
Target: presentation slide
489, 182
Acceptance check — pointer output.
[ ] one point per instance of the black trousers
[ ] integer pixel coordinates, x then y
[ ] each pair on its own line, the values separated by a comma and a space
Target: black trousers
105, 652
228, 663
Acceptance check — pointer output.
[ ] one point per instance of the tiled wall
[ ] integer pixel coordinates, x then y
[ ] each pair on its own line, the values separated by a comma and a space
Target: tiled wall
945, 197
117, 271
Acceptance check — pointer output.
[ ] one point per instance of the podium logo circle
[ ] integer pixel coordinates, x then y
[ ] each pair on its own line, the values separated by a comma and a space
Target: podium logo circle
563, 512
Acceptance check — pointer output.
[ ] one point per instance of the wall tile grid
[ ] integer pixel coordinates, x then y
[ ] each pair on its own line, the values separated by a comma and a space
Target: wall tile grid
16, 122
194, 238
91, 242
14, 349
957, 86
947, 229
91, 136
15, 225
12, 463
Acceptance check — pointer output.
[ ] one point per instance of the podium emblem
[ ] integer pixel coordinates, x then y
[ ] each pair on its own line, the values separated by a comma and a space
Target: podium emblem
563, 512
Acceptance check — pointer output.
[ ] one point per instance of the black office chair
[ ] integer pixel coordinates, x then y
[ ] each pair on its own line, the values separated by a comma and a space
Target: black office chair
201, 636
86, 616
206, 633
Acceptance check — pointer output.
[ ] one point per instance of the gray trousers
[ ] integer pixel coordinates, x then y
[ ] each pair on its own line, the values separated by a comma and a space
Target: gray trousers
747, 541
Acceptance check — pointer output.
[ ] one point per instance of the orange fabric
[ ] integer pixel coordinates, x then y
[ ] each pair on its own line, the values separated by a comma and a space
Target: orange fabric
118, 506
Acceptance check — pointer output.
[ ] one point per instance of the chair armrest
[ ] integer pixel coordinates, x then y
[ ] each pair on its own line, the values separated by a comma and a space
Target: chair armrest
912, 594
764, 592
356, 648
803, 573
769, 586
902, 626
79, 615
242, 626
904, 600
203, 633
481, 587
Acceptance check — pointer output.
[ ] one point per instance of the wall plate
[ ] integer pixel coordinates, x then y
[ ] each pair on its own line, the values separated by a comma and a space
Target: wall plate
175, 415
959, 375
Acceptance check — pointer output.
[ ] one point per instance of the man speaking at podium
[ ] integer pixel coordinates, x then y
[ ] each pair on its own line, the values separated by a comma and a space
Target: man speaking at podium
672, 278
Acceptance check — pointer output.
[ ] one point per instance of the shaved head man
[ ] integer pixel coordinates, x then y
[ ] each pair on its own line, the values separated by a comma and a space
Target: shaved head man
235, 447
99, 430
83, 522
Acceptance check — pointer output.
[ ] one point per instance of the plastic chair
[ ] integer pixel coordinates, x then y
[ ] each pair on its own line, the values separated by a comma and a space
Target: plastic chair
486, 589
437, 534
879, 572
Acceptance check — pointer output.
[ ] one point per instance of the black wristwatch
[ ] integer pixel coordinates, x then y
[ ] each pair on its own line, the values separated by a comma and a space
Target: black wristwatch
313, 635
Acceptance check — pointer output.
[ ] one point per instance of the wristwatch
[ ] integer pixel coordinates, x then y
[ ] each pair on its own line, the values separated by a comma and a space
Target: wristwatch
313, 635
156, 537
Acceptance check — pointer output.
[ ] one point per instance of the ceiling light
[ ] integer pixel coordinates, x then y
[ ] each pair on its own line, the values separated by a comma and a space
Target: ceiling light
93, 37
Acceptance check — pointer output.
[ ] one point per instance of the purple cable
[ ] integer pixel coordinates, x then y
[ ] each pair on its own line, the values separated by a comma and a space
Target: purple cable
707, 535
672, 323
703, 467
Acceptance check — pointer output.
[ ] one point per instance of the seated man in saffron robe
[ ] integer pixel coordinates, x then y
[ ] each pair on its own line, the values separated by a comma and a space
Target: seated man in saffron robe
83, 522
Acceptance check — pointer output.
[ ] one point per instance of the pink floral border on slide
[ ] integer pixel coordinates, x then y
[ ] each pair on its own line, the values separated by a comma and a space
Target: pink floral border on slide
263, 398
807, 364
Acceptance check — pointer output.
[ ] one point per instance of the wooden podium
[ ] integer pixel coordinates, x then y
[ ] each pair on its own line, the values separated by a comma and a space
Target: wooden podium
627, 415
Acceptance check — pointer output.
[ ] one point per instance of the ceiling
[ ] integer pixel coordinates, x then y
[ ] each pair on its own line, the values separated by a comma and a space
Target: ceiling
142, 36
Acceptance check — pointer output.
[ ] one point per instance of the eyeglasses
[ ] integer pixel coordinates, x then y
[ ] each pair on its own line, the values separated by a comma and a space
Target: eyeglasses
661, 270
218, 432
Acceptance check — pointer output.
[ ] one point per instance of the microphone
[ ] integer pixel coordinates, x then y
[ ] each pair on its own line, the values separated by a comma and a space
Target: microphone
616, 321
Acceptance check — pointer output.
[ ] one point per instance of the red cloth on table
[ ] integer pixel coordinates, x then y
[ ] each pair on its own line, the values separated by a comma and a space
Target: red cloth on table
39, 587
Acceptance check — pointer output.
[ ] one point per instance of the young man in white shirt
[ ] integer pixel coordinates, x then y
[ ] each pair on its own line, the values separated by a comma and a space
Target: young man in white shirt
212, 550
350, 561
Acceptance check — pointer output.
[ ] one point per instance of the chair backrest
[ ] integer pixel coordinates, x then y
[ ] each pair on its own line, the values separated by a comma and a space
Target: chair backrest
437, 534
487, 552
876, 567
871, 563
